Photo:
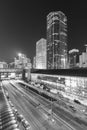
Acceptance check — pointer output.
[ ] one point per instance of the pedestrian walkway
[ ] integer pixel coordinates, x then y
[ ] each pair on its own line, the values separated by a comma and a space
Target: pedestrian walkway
7, 117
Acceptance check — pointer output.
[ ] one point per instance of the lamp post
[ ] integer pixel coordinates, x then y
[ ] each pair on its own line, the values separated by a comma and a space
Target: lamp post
19, 54
51, 109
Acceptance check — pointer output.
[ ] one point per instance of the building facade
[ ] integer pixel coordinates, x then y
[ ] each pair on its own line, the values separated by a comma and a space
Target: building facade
3, 65
83, 59
74, 58
69, 83
41, 54
34, 62
56, 40
22, 62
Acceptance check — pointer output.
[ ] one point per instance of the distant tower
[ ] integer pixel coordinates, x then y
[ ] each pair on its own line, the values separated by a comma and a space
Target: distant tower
86, 47
73, 58
41, 54
56, 40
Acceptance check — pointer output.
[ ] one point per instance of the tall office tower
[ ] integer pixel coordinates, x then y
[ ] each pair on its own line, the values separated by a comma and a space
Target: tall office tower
56, 40
41, 54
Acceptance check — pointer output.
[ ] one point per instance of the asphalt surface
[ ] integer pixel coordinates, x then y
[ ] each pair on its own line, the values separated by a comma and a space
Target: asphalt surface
27, 104
71, 119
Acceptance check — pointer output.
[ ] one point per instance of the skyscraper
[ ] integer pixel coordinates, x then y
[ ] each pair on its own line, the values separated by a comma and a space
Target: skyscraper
56, 40
41, 54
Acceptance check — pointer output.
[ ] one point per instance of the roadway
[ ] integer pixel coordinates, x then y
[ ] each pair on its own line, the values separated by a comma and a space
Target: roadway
66, 116
26, 103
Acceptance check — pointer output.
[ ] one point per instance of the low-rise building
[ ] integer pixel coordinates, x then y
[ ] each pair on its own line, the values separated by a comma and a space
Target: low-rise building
3, 65
73, 58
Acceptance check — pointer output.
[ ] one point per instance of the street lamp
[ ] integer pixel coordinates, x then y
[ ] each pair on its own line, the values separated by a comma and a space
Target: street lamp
19, 54
51, 109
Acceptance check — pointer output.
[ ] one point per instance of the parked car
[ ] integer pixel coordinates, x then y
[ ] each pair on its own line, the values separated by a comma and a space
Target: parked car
76, 101
72, 107
19, 117
26, 124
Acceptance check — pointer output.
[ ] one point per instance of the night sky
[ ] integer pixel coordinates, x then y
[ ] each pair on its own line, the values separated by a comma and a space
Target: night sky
23, 23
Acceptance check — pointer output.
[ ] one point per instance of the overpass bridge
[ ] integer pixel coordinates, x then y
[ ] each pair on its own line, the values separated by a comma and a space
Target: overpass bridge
4, 73
8, 70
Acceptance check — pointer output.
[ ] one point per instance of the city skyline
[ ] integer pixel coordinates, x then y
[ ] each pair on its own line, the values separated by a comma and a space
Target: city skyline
22, 26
